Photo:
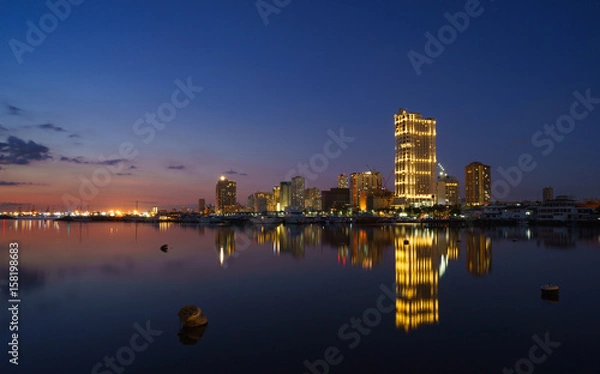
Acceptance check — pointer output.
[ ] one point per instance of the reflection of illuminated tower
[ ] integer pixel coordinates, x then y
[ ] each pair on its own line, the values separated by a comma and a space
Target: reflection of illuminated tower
479, 253
417, 276
225, 243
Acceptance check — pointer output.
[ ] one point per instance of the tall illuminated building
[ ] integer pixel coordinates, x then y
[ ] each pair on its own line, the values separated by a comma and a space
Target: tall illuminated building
342, 181
275, 203
417, 280
298, 192
226, 196
478, 184
313, 199
416, 158
285, 195
547, 193
363, 184
447, 190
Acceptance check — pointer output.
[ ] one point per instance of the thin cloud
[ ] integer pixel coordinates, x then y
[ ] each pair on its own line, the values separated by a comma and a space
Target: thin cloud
13, 110
124, 174
176, 167
17, 151
7, 183
51, 127
84, 161
3, 129
74, 136
233, 172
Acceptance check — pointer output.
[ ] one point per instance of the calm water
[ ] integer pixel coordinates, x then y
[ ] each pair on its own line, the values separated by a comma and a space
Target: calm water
280, 299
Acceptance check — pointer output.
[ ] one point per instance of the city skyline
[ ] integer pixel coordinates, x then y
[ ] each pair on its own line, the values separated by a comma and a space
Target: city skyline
105, 124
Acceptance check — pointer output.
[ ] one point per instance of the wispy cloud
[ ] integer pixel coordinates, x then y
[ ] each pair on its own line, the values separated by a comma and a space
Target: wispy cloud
75, 136
124, 174
3, 129
176, 167
85, 161
7, 183
233, 172
16, 151
13, 110
51, 127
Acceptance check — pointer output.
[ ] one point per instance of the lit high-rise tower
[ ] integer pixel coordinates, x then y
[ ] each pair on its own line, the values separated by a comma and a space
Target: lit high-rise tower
342, 181
226, 195
416, 158
478, 184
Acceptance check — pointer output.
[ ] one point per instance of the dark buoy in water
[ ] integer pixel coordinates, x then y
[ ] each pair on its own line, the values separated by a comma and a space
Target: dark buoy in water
194, 324
192, 316
405, 241
164, 248
190, 335
549, 292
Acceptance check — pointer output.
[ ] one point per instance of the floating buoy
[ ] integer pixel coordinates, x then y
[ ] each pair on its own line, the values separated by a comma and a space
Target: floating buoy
549, 292
405, 241
164, 248
191, 315
190, 335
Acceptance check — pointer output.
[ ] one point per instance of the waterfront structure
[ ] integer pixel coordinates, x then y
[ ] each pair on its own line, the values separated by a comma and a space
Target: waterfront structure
448, 192
285, 195
547, 193
226, 196
201, 205
342, 181
416, 158
364, 184
563, 209
298, 190
478, 184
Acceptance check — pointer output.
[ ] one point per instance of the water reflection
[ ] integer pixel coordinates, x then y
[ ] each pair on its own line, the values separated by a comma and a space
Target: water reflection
225, 243
417, 277
479, 252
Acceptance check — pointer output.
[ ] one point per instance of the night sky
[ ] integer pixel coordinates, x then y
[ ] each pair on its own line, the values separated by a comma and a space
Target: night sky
266, 92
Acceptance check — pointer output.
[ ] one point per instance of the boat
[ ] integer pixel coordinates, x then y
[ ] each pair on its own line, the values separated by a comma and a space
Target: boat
294, 217
265, 220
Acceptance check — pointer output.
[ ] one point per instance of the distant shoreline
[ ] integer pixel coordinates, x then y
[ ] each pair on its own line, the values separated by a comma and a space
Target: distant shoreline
376, 221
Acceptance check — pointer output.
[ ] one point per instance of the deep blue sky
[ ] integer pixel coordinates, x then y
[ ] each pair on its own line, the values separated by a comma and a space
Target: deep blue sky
271, 93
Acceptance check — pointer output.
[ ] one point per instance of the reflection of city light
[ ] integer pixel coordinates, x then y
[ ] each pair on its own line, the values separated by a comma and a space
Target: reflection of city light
443, 265
221, 256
